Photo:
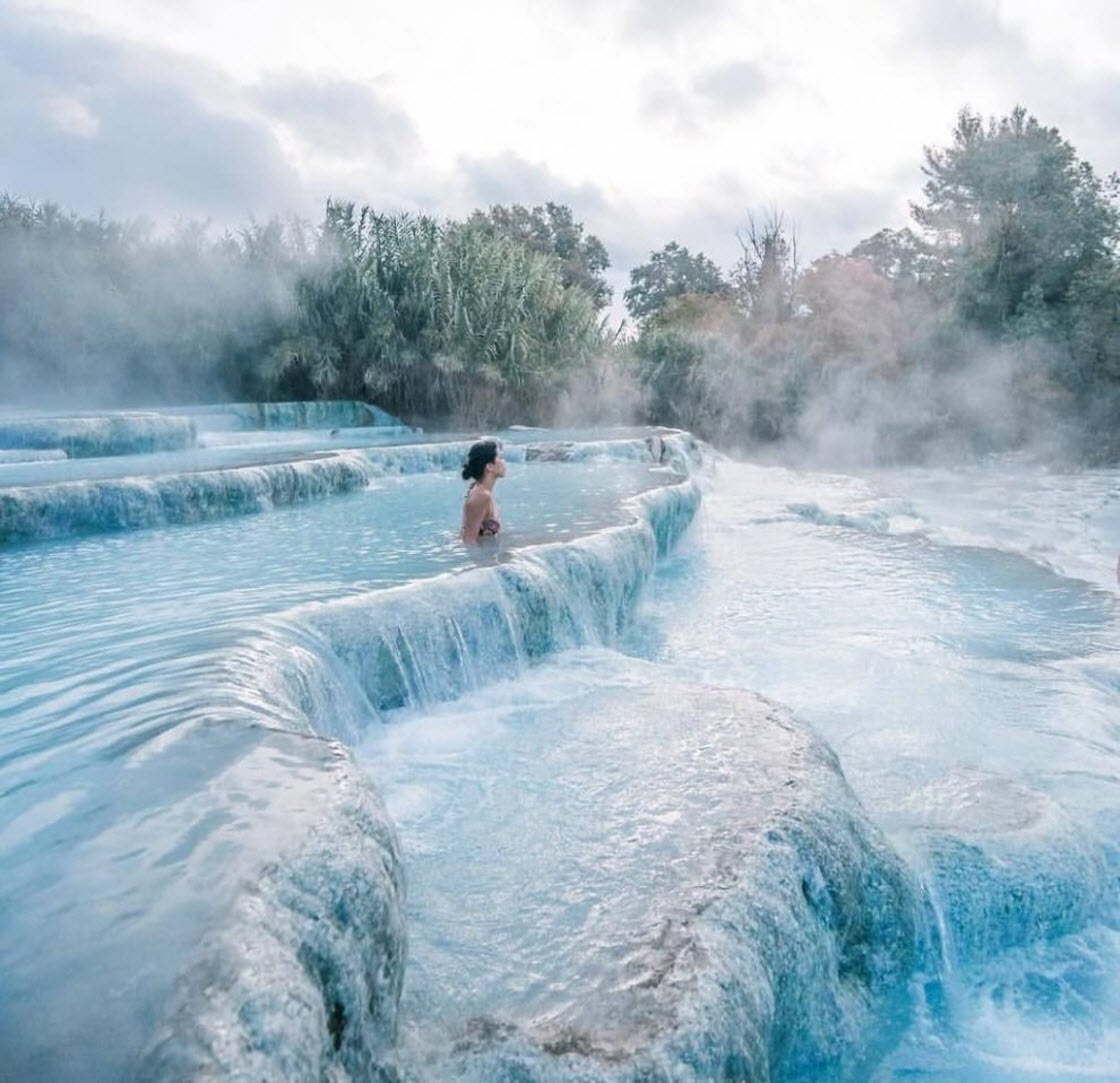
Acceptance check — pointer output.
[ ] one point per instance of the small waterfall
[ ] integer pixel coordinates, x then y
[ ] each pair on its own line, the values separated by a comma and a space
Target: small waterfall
88, 436
300, 975
31, 455
431, 640
1008, 869
342, 414
65, 509
34, 513
245, 859
1005, 872
749, 920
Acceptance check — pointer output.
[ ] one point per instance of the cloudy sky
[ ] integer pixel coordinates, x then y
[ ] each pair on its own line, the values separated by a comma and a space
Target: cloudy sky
655, 120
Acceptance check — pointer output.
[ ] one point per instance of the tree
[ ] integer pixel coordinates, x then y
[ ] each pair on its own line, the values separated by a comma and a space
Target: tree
435, 319
766, 275
1016, 218
551, 230
671, 272
854, 316
900, 256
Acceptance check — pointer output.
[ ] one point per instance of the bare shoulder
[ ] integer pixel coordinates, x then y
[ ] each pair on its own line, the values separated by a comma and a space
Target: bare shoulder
478, 497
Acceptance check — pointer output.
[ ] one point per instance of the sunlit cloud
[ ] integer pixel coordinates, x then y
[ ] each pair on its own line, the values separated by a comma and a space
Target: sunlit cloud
71, 116
655, 121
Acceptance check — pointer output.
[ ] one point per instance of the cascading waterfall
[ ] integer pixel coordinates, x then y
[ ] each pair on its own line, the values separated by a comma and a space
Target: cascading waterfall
62, 509
338, 666
31, 455
292, 906
89, 436
620, 863
285, 415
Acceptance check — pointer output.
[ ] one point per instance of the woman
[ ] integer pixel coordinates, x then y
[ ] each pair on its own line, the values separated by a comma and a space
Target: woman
483, 467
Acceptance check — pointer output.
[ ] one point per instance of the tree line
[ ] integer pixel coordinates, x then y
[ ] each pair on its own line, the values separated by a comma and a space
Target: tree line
479, 321
997, 316
994, 315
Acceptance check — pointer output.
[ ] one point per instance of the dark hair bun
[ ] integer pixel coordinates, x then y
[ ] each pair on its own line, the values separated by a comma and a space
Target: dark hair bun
481, 454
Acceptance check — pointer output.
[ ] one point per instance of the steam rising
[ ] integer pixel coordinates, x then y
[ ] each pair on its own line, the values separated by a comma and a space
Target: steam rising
995, 327
106, 314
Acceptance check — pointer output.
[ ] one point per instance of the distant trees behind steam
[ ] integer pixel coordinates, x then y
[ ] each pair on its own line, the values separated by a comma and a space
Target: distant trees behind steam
997, 316
477, 321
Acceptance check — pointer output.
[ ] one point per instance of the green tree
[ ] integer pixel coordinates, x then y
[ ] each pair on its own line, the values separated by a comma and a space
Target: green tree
671, 272
552, 230
436, 320
900, 256
1016, 218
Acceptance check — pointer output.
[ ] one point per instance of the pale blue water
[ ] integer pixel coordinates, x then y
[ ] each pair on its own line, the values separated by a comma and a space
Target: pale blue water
620, 863
135, 671
972, 694
214, 452
222, 450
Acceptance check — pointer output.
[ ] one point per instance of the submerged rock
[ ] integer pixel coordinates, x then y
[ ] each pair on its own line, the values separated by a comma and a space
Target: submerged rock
739, 916
301, 978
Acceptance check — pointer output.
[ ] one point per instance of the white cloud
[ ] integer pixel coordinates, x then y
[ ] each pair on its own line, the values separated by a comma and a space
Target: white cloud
350, 118
71, 116
656, 121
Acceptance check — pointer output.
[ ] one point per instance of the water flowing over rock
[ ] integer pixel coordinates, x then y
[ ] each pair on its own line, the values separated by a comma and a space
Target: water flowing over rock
63, 509
226, 748
329, 414
243, 884
88, 436
752, 923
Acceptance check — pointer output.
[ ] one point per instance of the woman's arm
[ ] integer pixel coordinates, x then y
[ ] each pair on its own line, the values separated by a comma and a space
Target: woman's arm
474, 511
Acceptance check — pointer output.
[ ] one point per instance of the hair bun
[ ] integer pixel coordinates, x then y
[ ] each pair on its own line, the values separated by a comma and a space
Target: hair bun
466, 471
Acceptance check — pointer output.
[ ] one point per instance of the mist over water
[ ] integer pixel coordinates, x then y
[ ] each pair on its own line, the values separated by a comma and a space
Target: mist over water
799, 765
975, 409
230, 744
104, 314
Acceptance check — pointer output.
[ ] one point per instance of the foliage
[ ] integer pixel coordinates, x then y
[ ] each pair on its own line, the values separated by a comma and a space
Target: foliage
671, 272
765, 277
707, 368
997, 316
429, 319
436, 320
1015, 218
109, 310
1001, 305
552, 231
901, 257
854, 316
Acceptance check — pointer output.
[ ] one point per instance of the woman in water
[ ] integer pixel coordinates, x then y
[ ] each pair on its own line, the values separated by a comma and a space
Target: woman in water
483, 467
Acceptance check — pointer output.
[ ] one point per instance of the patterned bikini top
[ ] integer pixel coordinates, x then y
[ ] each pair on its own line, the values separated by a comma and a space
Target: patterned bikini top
489, 526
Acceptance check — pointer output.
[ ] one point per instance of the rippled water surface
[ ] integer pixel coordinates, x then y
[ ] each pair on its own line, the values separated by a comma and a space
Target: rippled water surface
931, 628
587, 834
119, 652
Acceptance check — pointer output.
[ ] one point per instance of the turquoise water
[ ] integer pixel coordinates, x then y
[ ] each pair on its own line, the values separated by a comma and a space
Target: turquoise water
567, 839
157, 737
215, 451
823, 786
223, 450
